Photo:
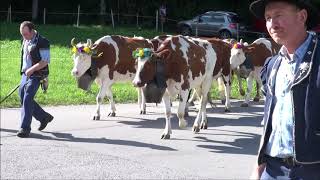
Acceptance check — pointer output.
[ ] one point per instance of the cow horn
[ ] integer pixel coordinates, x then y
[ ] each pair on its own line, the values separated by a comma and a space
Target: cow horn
89, 43
241, 41
72, 42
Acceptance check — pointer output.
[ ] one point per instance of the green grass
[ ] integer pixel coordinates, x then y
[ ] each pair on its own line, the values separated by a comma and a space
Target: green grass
62, 86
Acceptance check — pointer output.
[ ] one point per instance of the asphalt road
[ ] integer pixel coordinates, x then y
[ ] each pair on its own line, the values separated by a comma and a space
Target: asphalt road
129, 146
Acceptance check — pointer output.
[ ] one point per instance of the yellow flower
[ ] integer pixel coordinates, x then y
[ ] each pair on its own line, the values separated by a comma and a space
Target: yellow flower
74, 49
141, 53
235, 46
86, 50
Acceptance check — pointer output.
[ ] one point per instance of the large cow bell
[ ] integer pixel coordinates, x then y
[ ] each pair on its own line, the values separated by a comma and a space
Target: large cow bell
155, 89
85, 81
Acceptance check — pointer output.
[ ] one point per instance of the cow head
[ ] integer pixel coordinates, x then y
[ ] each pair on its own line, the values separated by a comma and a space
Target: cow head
82, 53
237, 54
147, 62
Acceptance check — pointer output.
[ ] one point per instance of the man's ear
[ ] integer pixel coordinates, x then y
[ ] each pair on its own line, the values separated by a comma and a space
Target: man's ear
303, 15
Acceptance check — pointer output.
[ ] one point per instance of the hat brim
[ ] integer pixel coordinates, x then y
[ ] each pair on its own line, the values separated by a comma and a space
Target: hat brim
257, 8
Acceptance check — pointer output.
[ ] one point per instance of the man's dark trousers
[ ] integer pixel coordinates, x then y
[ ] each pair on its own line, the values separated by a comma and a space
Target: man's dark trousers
27, 91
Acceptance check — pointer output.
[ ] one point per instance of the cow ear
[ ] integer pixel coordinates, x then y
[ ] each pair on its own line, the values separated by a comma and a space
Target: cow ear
247, 49
164, 54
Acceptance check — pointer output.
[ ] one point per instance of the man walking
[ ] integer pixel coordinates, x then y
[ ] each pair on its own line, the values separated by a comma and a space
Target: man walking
35, 57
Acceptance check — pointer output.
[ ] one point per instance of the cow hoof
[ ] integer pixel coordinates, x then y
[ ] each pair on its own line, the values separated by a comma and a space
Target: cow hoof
183, 124
227, 110
204, 126
223, 101
112, 114
256, 99
242, 93
195, 129
244, 105
165, 136
142, 112
96, 118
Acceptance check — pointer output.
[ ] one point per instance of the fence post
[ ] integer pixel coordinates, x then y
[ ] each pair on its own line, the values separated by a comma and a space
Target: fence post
9, 14
44, 15
238, 32
78, 17
137, 19
112, 20
197, 28
157, 19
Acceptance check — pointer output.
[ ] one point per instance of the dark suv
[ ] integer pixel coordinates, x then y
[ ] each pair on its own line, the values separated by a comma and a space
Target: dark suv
213, 23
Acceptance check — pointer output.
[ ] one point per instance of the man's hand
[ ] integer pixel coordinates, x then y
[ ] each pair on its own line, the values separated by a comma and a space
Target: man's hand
257, 171
41, 64
29, 72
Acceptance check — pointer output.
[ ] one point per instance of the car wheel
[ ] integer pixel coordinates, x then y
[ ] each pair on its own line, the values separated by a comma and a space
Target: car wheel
185, 31
225, 34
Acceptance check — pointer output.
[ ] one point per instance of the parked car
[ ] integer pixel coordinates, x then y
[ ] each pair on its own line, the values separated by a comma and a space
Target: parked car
213, 23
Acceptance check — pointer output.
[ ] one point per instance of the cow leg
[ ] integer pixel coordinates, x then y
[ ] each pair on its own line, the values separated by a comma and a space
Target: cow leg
249, 90
241, 91
167, 130
193, 97
112, 111
141, 101
202, 111
99, 100
258, 85
227, 88
181, 108
221, 88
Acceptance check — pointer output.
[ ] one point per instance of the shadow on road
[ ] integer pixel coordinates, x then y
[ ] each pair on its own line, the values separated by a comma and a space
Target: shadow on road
68, 137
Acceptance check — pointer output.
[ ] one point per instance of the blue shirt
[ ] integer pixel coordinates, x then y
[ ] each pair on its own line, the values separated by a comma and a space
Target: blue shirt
280, 143
26, 58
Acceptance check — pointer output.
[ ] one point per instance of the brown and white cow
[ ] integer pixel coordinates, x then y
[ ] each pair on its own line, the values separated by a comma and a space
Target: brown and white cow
187, 63
116, 64
253, 55
222, 68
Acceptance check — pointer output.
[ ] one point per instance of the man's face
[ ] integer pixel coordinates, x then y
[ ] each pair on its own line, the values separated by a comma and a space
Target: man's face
284, 21
26, 33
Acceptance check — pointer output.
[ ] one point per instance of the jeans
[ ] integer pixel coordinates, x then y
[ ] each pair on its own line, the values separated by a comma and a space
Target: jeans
276, 169
27, 91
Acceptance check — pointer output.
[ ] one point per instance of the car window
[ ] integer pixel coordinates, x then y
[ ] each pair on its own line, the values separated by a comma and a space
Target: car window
217, 19
234, 19
205, 18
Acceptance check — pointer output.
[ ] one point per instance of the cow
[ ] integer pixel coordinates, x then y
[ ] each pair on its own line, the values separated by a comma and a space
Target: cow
114, 64
187, 63
247, 62
222, 70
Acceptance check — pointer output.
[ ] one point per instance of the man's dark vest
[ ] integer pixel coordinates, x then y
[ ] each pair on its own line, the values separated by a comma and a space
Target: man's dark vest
37, 44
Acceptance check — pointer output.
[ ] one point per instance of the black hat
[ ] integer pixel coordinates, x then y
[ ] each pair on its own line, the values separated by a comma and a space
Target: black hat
258, 7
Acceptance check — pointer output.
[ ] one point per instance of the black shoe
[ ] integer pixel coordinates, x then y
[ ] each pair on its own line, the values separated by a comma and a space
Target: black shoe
43, 123
23, 133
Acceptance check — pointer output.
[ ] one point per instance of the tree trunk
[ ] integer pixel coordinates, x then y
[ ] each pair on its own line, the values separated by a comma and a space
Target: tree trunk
34, 10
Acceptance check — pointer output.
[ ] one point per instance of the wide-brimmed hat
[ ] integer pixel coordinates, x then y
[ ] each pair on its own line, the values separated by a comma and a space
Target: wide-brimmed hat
258, 7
